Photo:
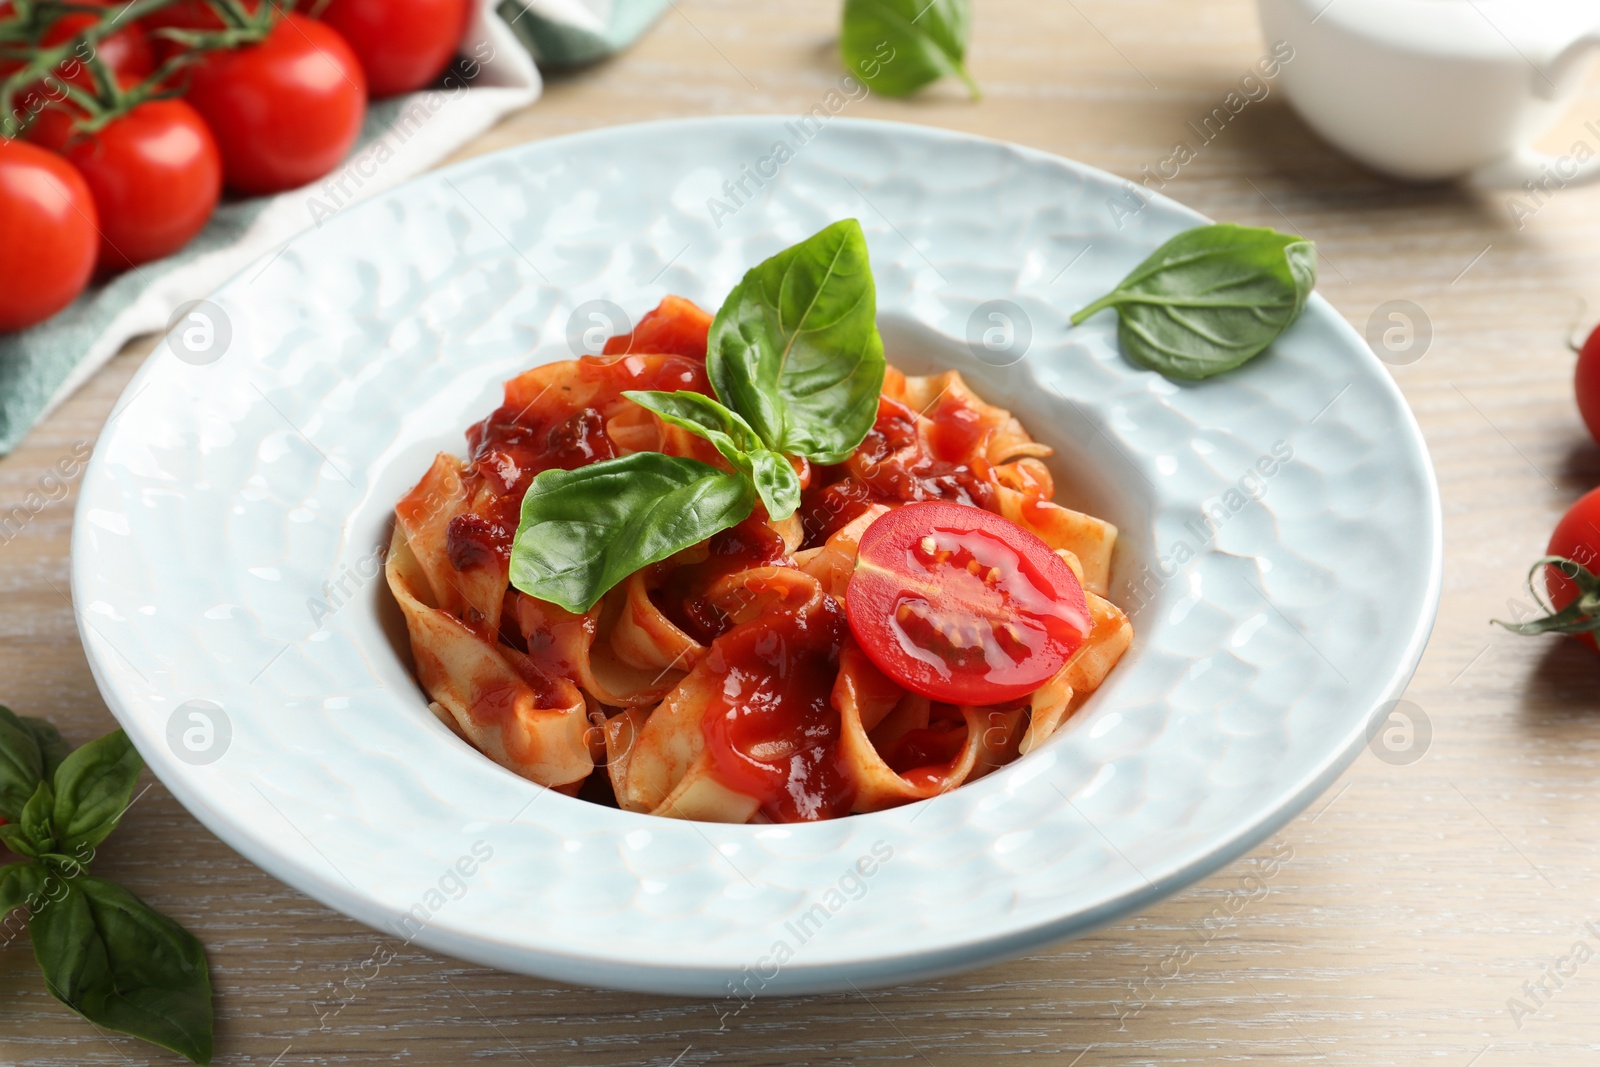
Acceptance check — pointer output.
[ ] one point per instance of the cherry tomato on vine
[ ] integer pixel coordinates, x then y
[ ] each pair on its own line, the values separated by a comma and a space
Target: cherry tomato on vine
155, 175
1573, 586
285, 111
48, 238
963, 606
127, 53
403, 45
1587, 383
190, 15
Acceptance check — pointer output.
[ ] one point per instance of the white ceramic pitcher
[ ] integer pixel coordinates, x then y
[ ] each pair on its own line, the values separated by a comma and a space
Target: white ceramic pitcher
1430, 90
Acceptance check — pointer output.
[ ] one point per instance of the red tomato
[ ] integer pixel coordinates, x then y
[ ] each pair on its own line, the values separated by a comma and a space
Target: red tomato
127, 52
1588, 384
963, 606
403, 44
1577, 538
190, 15
155, 175
48, 235
285, 111
184, 15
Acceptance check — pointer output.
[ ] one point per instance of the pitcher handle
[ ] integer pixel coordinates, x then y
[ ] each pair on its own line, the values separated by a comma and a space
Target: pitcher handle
1563, 66
1548, 173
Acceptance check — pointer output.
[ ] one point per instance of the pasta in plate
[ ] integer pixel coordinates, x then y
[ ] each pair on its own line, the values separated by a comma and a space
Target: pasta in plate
724, 682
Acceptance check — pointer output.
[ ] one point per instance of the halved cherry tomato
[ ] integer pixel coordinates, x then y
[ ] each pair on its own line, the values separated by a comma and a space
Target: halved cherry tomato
403, 44
47, 234
285, 111
155, 175
963, 606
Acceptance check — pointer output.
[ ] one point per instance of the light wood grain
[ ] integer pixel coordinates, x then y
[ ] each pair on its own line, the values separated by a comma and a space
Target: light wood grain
1414, 900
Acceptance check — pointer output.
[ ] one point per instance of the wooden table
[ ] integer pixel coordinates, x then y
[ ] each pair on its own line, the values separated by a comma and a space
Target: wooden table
1411, 903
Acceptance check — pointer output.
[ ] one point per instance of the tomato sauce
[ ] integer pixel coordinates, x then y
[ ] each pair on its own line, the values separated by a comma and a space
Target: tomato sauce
932, 748
682, 597
558, 429
771, 731
895, 465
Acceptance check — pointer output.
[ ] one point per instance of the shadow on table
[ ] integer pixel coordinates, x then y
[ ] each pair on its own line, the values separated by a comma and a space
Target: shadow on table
1279, 149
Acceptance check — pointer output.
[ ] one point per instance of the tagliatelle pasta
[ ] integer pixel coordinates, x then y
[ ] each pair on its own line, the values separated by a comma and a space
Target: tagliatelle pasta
724, 682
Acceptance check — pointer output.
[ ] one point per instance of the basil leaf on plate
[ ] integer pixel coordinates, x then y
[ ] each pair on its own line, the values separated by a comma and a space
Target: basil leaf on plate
585, 530
795, 348
93, 787
121, 964
899, 46
775, 479
776, 483
1210, 299
21, 765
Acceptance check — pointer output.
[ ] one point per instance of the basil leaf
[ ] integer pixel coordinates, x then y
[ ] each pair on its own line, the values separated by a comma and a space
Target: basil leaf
699, 414
899, 46
795, 348
585, 530
53, 748
19, 883
775, 479
776, 482
122, 965
93, 787
15, 838
1210, 299
21, 765
36, 819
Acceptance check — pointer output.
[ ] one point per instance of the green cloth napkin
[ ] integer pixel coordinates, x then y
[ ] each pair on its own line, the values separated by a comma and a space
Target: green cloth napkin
558, 34
40, 367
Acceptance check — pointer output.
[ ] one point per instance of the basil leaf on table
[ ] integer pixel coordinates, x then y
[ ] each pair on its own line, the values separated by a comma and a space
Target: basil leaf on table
53, 748
93, 787
585, 530
119, 963
21, 765
899, 46
795, 348
19, 882
36, 820
1210, 299
775, 479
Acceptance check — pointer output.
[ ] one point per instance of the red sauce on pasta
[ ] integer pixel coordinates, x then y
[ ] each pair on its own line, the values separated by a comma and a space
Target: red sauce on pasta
896, 465
932, 748
682, 597
772, 731
560, 427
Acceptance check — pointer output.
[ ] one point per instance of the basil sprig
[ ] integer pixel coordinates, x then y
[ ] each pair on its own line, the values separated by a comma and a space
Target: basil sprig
773, 476
796, 350
899, 46
797, 364
103, 952
1210, 299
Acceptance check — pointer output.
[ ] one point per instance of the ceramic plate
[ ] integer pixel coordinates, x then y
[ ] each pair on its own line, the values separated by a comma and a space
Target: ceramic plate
1279, 557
